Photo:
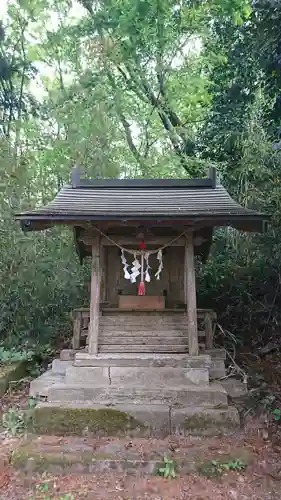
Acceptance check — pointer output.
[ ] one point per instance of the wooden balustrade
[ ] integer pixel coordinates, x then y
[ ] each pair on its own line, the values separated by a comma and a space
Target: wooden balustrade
205, 319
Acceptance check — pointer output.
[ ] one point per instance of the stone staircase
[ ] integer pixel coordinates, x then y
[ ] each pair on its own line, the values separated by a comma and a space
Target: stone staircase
64, 370
164, 393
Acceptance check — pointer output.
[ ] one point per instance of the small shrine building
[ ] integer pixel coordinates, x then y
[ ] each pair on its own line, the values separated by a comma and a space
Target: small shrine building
141, 345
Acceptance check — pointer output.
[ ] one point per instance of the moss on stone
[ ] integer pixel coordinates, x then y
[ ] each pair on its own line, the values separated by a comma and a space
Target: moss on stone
83, 421
40, 460
196, 422
11, 373
205, 421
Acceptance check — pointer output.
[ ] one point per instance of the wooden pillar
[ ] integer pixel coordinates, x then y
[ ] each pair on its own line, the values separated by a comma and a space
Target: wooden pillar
77, 324
93, 333
209, 331
103, 265
190, 296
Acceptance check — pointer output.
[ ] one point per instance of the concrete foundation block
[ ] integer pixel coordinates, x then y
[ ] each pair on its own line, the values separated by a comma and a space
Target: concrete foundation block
216, 353
217, 368
235, 388
59, 367
132, 375
201, 421
142, 360
40, 386
99, 420
90, 419
96, 375
67, 354
165, 375
180, 396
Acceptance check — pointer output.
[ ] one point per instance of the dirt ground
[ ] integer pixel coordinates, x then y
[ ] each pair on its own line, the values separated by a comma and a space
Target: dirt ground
260, 481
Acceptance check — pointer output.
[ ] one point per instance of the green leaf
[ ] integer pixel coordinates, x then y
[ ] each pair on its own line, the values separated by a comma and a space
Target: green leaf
247, 11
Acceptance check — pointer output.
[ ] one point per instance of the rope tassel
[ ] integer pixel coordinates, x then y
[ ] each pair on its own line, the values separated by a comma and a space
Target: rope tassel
141, 289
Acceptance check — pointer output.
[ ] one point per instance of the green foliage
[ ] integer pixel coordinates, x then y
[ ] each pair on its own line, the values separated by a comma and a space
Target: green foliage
8, 356
218, 467
137, 89
233, 465
14, 421
276, 414
43, 492
168, 470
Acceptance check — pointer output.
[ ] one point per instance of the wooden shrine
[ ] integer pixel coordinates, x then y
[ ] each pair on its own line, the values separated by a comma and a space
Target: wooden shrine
142, 323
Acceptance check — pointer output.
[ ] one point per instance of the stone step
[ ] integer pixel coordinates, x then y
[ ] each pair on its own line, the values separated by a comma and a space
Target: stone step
40, 385
235, 389
59, 366
132, 375
142, 360
134, 420
117, 348
213, 395
217, 369
216, 362
216, 353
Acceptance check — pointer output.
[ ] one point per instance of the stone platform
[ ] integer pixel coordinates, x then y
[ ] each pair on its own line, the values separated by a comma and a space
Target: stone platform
74, 455
145, 393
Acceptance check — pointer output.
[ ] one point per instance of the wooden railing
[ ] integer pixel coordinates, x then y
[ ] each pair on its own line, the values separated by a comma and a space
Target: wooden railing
206, 319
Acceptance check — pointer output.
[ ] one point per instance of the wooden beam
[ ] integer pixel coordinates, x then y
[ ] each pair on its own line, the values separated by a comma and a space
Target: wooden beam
87, 238
190, 293
95, 297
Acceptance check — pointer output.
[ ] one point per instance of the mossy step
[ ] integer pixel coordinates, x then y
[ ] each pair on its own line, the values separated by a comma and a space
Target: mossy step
11, 373
76, 455
177, 395
131, 420
99, 420
63, 459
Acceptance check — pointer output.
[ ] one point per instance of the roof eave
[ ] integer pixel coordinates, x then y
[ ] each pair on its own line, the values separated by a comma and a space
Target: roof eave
74, 217
251, 222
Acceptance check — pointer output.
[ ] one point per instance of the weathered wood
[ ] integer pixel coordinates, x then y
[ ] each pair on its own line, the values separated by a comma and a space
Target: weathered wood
190, 291
95, 298
209, 331
201, 313
88, 238
168, 349
77, 326
142, 302
103, 265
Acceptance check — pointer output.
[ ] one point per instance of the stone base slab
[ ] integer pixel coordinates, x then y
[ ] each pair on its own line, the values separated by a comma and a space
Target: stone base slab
133, 375
59, 367
131, 420
142, 360
205, 422
77, 455
179, 395
40, 386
